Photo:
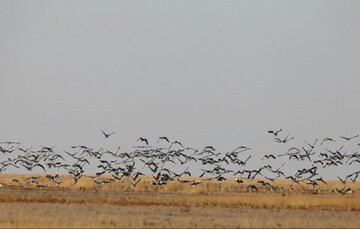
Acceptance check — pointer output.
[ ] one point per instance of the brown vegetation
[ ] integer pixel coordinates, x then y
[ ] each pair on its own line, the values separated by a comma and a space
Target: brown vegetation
290, 205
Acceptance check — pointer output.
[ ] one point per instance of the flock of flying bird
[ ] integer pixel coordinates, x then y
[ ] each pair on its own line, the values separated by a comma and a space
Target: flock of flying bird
171, 161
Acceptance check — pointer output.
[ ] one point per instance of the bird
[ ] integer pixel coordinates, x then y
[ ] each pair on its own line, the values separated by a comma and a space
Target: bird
209, 148
252, 187
344, 191
163, 138
176, 142
32, 180
104, 181
275, 132
244, 148
10, 143
143, 140
81, 147
14, 181
265, 183
137, 174
24, 150
342, 181
135, 183
107, 135
55, 178
356, 176
195, 183
312, 183
285, 140
312, 146
349, 138
356, 160
47, 148
321, 179
326, 140
267, 156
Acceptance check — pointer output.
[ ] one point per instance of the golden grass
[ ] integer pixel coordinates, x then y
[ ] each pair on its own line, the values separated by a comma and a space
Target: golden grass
48, 215
208, 193
209, 204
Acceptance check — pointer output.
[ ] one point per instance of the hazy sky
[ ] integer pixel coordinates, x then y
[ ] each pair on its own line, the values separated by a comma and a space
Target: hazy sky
215, 73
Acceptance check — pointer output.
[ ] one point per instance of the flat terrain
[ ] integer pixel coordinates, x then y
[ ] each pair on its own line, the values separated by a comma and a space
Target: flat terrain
105, 215
209, 204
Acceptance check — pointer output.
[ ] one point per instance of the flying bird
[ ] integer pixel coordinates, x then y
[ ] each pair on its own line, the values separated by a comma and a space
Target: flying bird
25, 150
327, 139
312, 146
176, 142
143, 140
275, 132
164, 138
10, 142
344, 191
107, 135
135, 183
267, 156
342, 181
349, 138
285, 140
251, 188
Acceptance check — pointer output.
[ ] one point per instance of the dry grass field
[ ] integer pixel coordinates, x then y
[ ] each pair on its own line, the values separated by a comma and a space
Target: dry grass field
209, 204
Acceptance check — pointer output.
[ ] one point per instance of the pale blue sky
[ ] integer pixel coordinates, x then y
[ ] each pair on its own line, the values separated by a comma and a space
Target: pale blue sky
215, 73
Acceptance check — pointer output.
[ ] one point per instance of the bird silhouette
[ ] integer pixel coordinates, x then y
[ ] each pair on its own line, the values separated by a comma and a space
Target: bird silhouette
107, 135
275, 132
163, 138
143, 140
349, 138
